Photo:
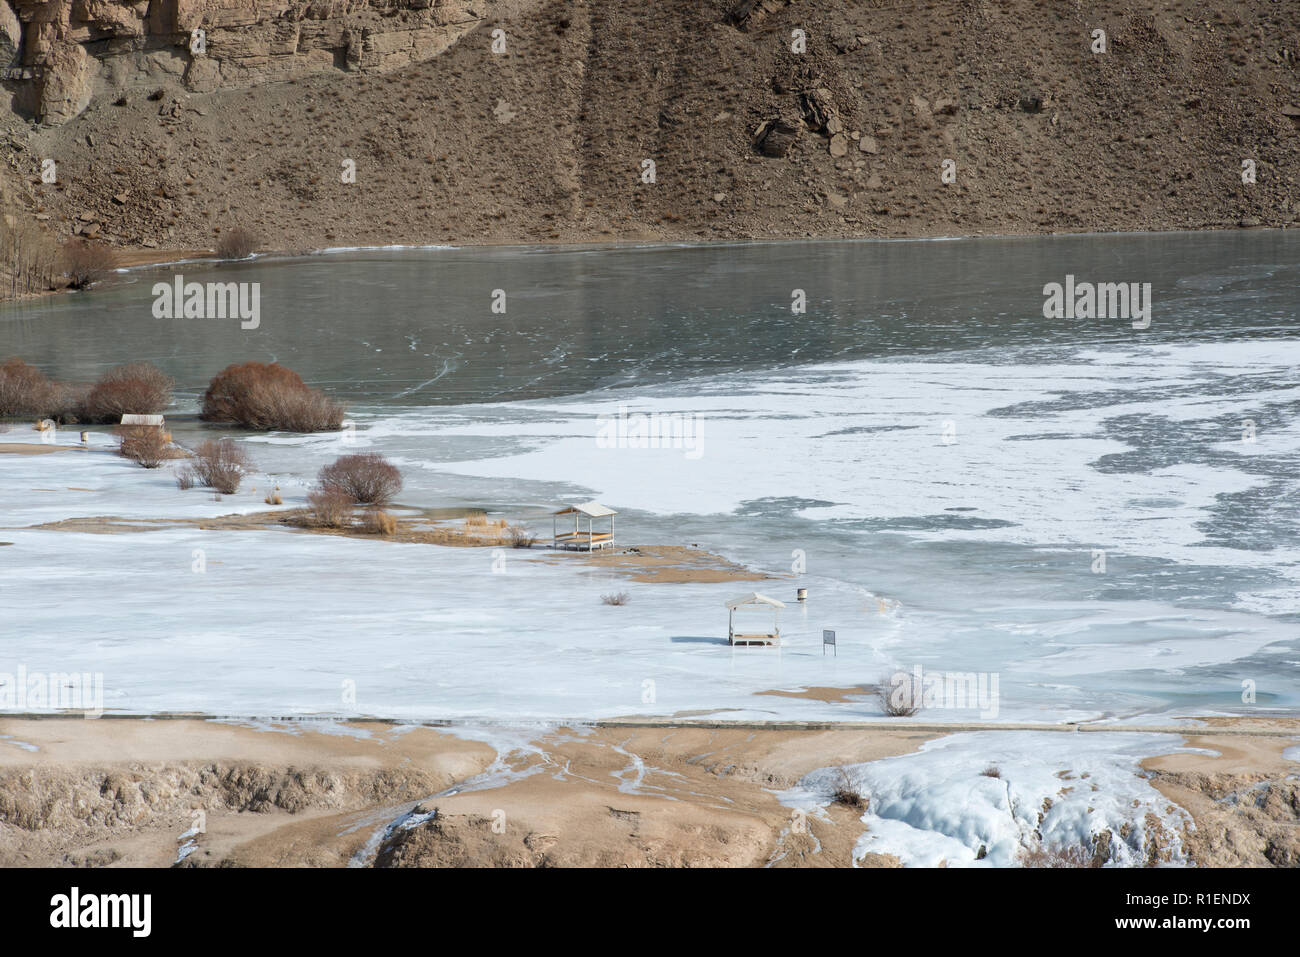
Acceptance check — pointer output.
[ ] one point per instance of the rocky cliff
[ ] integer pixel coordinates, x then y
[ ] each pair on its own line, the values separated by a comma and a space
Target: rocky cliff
342, 122
63, 53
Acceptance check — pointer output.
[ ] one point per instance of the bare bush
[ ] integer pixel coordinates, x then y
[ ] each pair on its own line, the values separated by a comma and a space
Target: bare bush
378, 522
262, 395
26, 390
330, 507
136, 388
86, 263
220, 464
146, 445
368, 478
520, 537
900, 695
617, 598
185, 478
991, 772
846, 794
237, 243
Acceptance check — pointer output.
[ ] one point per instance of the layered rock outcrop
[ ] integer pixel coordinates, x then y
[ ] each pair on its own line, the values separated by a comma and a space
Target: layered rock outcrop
60, 54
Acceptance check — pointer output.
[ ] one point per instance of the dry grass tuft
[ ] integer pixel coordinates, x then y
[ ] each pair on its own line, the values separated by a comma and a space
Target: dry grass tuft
617, 598
378, 522
1072, 855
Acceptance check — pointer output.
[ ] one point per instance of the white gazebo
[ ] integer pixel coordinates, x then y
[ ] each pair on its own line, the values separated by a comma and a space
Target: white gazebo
772, 637
579, 539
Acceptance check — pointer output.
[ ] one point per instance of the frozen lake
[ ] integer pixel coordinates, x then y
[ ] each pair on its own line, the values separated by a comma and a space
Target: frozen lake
941, 466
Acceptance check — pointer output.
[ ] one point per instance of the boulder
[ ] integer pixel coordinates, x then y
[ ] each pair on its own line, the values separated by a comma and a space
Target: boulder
64, 86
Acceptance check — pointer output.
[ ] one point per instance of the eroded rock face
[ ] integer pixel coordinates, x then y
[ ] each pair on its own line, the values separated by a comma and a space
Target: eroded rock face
11, 35
211, 44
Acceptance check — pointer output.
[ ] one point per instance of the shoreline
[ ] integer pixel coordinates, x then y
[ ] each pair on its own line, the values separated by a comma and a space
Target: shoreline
139, 258
206, 792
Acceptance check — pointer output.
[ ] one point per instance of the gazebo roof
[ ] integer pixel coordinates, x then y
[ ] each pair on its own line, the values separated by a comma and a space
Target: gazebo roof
590, 509
754, 598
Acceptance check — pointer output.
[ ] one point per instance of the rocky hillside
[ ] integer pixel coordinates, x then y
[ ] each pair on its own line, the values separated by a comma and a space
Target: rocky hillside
533, 120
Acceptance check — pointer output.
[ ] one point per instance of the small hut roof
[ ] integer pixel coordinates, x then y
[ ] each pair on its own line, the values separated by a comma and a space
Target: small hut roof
754, 598
590, 509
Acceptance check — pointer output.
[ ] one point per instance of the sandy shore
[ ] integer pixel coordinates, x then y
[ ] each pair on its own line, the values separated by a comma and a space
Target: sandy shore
120, 792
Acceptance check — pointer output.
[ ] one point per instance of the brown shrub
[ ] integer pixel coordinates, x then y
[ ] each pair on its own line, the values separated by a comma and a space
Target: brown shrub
86, 263
186, 479
237, 243
146, 445
221, 465
368, 478
137, 388
378, 522
520, 537
262, 395
330, 507
25, 390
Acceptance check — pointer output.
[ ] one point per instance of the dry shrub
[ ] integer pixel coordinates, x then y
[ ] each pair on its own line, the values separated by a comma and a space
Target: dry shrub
1071, 855
330, 508
617, 598
220, 464
520, 537
368, 478
137, 388
237, 243
25, 390
262, 395
146, 445
86, 263
274, 497
991, 772
900, 699
475, 520
378, 522
186, 479
846, 794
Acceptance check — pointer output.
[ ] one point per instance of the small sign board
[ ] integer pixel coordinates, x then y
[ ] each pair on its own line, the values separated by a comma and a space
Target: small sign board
828, 638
